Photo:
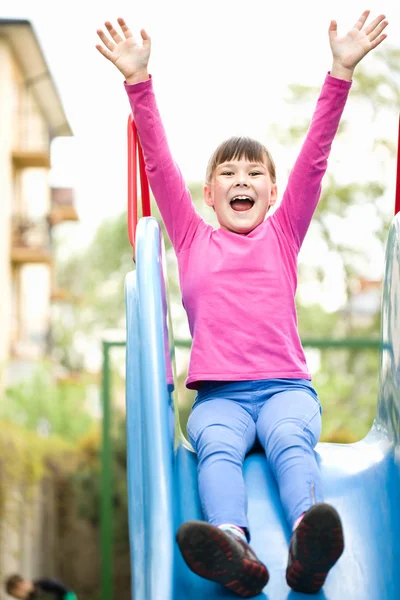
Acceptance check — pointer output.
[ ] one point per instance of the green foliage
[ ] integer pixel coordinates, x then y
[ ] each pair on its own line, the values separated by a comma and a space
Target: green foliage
347, 379
47, 406
347, 385
380, 84
96, 278
315, 322
86, 480
26, 459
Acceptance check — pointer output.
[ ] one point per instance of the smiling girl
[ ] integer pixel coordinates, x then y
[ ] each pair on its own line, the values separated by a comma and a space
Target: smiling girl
238, 286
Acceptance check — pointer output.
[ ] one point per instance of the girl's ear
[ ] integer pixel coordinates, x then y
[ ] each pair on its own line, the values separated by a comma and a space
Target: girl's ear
274, 195
208, 197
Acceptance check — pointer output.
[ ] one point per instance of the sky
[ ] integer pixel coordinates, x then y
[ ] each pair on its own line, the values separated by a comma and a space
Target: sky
219, 69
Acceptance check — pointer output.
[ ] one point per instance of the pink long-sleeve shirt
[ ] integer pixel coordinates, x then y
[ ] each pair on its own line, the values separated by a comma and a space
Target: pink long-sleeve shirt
239, 290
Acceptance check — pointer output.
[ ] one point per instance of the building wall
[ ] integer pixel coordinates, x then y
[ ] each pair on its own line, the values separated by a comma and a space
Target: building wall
44, 535
32, 539
6, 110
28, 536
24, 192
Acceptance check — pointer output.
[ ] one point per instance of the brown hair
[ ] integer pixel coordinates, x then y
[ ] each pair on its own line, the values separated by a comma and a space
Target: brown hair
236, 148
12, 582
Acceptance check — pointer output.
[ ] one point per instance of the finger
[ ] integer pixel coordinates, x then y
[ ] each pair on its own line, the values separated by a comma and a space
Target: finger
104, 52
378, 41
114, 34
377, 31
332, 30
374, 24
144, 34
125, 29
106, 41
361, 21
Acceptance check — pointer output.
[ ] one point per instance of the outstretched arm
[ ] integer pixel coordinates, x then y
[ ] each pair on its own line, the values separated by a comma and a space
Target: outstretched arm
304, 186
166, 181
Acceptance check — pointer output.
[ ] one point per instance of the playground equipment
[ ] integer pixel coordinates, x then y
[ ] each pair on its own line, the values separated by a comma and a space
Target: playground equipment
361, 480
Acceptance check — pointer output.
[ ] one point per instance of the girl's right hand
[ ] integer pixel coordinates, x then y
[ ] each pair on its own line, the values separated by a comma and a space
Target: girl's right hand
125, 53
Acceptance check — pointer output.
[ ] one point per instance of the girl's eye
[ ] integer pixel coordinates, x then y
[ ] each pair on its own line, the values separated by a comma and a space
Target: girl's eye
255, 173
227, 173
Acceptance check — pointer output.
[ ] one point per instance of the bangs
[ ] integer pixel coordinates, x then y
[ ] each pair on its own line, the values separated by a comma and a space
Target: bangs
237, 148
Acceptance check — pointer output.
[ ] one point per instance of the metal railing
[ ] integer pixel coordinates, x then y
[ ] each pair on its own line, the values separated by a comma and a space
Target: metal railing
135, 156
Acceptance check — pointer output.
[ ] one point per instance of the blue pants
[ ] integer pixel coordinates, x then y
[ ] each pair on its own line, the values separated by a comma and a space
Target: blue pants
226, 420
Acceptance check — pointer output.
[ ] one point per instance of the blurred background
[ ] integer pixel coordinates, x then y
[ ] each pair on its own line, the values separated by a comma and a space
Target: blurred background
219, 69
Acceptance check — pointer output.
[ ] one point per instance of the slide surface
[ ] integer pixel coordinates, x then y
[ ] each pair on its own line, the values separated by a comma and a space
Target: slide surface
361, 480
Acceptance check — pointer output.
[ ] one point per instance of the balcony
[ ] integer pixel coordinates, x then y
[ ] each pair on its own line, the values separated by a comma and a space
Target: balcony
23, 159
31, 148
30, 242
31, 143
62, 206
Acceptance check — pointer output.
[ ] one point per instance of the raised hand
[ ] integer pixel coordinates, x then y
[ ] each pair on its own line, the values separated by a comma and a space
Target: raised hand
348, 50
124, 52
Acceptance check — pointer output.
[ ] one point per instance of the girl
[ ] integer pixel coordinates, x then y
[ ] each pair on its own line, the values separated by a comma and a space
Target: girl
238, 287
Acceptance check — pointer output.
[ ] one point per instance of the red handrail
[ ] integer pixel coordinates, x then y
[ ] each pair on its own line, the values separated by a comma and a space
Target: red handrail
135, 154
397, 202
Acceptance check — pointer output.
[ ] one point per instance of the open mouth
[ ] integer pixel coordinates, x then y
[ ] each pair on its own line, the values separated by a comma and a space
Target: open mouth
241, 203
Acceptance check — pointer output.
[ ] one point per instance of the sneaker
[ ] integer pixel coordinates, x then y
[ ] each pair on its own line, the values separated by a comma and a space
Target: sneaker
316, 545
223, 557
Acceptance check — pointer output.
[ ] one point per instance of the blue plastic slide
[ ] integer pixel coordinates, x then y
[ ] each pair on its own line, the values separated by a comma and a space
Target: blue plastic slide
361, 480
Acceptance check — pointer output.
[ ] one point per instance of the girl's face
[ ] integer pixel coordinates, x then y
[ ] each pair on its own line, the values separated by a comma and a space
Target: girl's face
241, 193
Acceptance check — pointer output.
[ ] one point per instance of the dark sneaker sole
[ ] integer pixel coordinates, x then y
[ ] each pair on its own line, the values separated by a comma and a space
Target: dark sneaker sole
319, 544
208, 553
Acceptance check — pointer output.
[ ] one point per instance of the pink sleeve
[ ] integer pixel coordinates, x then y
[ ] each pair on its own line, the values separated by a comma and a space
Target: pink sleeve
172, 196
304, 186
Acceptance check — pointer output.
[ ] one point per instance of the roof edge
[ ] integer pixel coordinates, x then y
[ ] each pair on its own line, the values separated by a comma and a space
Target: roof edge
51, 102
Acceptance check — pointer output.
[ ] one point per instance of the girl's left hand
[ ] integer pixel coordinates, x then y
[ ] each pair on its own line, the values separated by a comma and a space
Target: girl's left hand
348, 50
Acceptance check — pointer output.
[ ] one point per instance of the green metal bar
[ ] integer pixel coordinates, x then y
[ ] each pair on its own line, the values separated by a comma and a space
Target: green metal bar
318, 343
115, 344
352, 343
306, 342
106, 546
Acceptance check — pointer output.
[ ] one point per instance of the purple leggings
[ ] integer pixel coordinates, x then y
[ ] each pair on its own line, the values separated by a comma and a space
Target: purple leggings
226, 420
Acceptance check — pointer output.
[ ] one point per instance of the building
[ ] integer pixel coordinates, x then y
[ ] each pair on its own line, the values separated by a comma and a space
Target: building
365, 303
31, 116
